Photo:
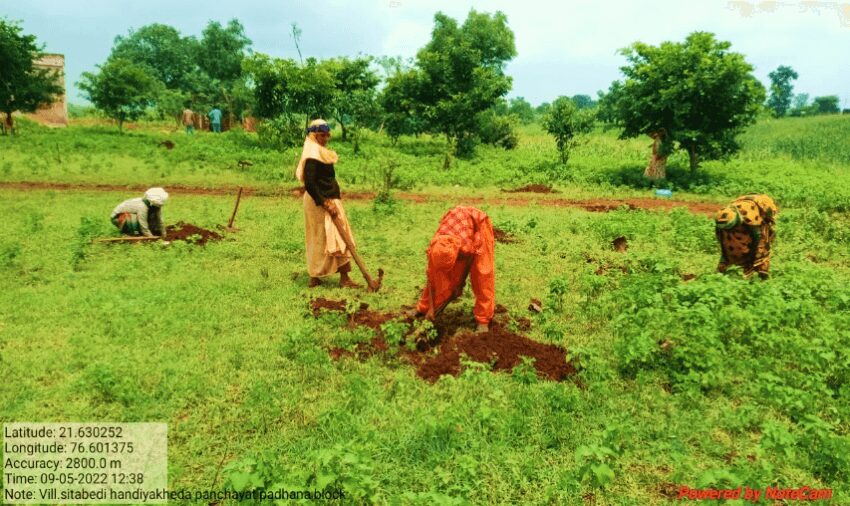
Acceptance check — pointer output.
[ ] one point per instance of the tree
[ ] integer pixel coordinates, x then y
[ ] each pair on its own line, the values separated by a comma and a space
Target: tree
583, 101
522, 109
168, 56
698, 93
221, 50
400, 109
801, 106
827, 105
460, 73
355, 102
781, 90
122, 89
23, 87
219, 55
566, 123
287, 93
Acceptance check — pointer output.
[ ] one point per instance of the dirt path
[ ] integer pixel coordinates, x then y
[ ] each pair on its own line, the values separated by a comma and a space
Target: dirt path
593, 205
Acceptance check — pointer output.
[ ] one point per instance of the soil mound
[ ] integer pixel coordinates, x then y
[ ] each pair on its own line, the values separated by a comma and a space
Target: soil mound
190, 233
503, 237
499, 346
532, 188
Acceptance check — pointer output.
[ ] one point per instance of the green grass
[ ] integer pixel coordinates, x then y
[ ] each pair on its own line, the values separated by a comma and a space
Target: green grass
750, 386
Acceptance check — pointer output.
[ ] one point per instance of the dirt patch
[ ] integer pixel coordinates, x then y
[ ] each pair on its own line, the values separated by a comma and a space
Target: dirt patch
620, 244
503, 237
592, 205
532, 188
190, 233
499, 346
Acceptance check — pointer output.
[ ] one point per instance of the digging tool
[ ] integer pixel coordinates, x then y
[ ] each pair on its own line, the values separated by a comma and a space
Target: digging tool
374, 284
235, 208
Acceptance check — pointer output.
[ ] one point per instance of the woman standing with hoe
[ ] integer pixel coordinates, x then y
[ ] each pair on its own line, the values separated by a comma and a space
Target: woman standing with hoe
326, 250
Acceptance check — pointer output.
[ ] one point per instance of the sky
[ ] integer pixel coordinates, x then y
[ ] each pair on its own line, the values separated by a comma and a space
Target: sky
565, 47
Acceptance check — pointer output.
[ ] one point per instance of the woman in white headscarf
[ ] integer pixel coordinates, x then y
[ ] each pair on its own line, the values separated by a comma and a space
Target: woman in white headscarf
142, 215
326, 251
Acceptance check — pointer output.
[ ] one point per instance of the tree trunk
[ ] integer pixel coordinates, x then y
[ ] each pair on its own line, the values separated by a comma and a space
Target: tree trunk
692, 155
657, 167
344, 130
10, 124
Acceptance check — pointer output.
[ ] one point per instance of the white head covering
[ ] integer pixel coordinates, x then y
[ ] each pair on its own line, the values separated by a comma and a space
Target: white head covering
156, 196
312, 149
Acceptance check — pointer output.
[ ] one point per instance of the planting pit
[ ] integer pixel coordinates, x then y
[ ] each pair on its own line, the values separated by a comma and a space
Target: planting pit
499, 346
190, 233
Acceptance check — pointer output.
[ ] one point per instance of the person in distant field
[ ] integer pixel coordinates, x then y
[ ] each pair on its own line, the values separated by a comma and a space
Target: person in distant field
188, 119
463, 246
215, 119
745, 231
143, 215
326, 251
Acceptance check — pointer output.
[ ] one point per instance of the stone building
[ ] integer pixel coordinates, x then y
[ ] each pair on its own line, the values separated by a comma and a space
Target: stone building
55, 114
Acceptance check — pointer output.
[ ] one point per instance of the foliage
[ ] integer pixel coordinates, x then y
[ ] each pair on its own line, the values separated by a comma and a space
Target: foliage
567, 123
827, 105
23, 87
161, 51
781, 90
355, 103
698, 91
121, 89
459, 74
498, 130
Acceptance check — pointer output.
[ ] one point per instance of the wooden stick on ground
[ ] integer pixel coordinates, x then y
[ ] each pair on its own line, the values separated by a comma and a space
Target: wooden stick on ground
133, 238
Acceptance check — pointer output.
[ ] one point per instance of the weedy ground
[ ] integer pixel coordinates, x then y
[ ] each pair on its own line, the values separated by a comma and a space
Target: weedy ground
687, 377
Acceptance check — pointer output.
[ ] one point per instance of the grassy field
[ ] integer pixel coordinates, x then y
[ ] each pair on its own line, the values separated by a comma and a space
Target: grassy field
687, 377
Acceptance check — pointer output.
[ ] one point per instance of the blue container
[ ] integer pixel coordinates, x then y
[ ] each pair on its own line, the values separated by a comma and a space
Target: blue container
664, 193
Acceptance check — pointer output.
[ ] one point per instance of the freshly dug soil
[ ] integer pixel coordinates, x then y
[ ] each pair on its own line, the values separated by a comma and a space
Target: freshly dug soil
190, 233
500, 347
532, 188
455, 338
503, 237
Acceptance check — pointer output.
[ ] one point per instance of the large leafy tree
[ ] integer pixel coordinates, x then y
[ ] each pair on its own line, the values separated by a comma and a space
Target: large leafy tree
122, 89
287, 95
23, 87
781, 90
221, 50
460, 73
827, 104
219, 55
694, 95
401, 109
167, 56
355, 102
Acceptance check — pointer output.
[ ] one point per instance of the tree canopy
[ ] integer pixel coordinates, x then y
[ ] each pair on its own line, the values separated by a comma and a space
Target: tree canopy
698, 91
121, 89
781, 90
23, 86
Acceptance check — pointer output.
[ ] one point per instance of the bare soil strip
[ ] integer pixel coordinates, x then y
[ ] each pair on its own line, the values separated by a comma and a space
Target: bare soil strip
592, 205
